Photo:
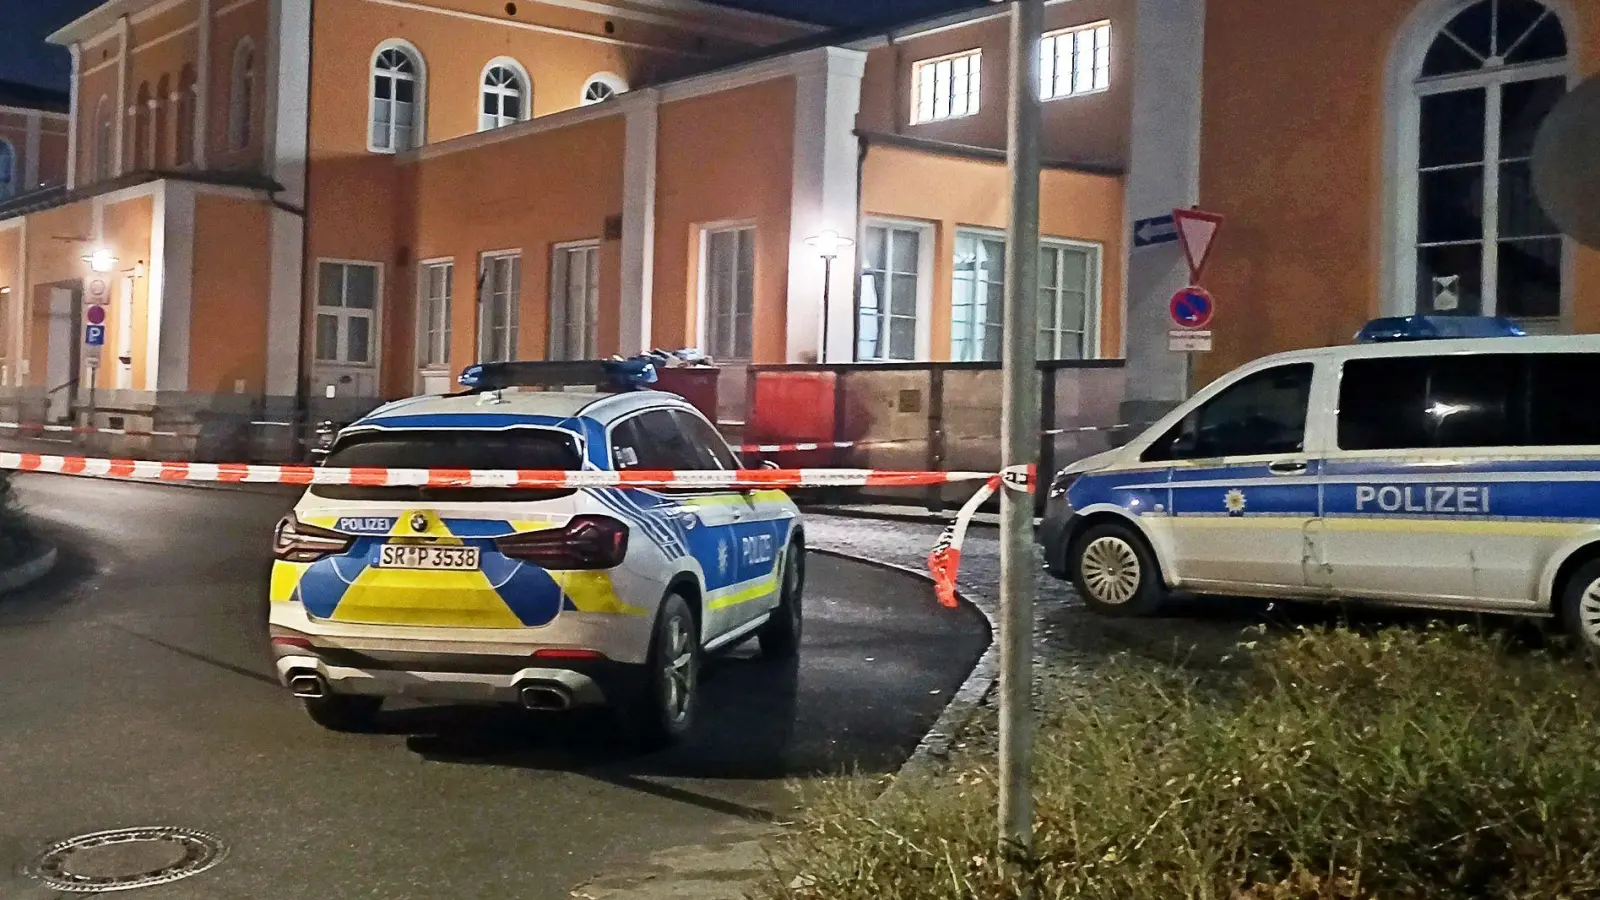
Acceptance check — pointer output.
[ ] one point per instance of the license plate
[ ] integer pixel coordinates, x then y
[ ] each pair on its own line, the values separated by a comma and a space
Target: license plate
405, 556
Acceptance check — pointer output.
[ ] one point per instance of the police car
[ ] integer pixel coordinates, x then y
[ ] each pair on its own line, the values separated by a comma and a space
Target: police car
1459, 473
549, 599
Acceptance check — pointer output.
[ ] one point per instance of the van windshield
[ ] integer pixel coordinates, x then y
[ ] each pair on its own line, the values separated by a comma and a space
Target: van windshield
528, 448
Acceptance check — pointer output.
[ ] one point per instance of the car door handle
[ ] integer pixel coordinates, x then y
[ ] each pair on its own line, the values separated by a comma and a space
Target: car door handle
1296, 467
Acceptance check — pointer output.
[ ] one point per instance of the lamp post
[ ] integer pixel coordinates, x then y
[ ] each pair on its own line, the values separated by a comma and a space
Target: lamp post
827, 244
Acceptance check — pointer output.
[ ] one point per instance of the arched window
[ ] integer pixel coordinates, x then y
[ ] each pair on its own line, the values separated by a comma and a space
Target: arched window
241, 94
139, 149
8, 169
183, 105
399, 88
104, 139
602, 86
504, 95
1473, 238
159, 136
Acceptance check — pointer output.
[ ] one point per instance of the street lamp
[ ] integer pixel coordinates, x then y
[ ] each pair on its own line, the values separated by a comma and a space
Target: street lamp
101, 260
827, 244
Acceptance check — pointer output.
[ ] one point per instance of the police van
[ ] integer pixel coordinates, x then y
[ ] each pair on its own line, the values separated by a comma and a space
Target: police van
1421, 466
548, 599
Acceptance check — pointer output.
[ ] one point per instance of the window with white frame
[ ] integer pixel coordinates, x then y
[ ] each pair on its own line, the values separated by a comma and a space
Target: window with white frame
435, 283
1479, 242
891, 271
8, 169
1075, 61
728, 292
1069, 295
575, 301
500, 293
241, 94
976, 302
945, 88
398, 90
347, 312
504, 97
602, 86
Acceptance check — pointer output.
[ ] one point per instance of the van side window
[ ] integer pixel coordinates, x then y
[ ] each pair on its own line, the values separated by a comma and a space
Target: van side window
1561, 411
1425, 402
1264, 413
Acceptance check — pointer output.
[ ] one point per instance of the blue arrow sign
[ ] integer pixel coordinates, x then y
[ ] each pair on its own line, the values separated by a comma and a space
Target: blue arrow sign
1157, 230
94, 335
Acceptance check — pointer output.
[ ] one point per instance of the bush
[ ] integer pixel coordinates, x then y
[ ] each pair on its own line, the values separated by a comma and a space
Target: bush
17, 541
1329, 766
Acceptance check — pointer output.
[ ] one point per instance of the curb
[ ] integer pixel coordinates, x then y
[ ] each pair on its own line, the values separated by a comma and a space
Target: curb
20, 576
934, 747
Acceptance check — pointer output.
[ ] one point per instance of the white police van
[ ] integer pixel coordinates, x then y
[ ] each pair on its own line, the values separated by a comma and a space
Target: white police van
1452, 474
551, 599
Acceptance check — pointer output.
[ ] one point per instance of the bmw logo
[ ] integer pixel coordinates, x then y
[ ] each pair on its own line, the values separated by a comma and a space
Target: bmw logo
419, 522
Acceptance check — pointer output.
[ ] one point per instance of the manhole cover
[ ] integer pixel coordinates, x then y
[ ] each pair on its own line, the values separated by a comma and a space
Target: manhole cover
126, 858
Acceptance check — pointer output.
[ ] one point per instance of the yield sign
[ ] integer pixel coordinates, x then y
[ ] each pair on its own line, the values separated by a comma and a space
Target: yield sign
1197, 231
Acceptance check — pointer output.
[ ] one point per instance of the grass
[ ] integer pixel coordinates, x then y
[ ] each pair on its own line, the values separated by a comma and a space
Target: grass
1330, 765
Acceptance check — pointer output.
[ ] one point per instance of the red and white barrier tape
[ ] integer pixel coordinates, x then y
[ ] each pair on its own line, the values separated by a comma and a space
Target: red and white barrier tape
945, 560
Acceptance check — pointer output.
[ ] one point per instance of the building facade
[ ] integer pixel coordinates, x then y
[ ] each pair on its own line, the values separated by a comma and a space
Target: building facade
291, 204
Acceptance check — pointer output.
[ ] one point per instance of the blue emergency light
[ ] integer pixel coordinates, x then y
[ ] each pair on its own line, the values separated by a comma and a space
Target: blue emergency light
1429, 328
608, 374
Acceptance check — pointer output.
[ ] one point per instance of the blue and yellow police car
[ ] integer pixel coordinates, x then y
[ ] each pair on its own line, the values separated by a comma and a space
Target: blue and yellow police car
1429, 464
549, 599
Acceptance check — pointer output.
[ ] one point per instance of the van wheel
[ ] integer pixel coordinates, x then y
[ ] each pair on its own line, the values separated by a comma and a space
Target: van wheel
664, 712
352, 713
1115, 572
1580, 607
780, 637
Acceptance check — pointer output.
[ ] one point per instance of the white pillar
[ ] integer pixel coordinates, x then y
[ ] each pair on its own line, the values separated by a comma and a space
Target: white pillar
170, 288
1163, 174
202, 85
827, 97
72, 118
124, 56
287, 120
634, 321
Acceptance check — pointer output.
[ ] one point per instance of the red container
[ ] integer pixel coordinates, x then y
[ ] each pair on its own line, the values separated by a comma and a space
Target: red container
696, 384
793, 408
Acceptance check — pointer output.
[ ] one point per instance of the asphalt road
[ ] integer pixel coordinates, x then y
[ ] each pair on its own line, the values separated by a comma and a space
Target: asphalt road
136, 689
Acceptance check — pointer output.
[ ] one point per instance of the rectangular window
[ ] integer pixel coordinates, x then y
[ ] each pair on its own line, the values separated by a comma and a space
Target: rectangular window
1262, 413
945, 88
347, 307
1069, 299
728, 292
891, 263
975, 312
1410, 403
500, 296
433, 315
575, 302
1075, 61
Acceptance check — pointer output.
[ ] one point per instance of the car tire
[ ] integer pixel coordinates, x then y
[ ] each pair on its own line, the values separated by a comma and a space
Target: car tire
1580, 608
351, 713
780, 637
1115, 573
663, 712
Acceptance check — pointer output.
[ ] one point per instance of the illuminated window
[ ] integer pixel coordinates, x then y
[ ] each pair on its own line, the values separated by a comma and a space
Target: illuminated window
945, 88
1076, 61
398, 90
504, 95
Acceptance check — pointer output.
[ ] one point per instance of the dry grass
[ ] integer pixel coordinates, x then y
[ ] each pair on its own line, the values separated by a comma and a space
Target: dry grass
1329, 765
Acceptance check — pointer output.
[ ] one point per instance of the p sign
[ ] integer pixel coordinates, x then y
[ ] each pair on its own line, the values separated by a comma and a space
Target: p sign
1192, 307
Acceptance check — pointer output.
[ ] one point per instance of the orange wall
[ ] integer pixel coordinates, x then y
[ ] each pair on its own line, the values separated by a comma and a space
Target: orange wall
226, 32
231, 276
751, 130
557, 187
1300, 172
93, 87
1088, 128
127, 235
974, 193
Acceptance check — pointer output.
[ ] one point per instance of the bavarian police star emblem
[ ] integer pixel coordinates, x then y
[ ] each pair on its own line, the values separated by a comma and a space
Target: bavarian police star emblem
722, 558
1233, 502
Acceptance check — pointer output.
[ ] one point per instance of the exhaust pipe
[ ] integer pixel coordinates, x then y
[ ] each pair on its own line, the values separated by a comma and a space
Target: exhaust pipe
544, 699
307, 686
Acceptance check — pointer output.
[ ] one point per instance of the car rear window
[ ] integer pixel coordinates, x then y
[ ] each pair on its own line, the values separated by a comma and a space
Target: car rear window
519, 449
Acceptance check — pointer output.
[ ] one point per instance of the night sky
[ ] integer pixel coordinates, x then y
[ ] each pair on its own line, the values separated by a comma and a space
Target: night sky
24, 56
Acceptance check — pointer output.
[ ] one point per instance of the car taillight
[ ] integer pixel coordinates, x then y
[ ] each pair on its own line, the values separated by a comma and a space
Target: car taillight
587, 542
295, 541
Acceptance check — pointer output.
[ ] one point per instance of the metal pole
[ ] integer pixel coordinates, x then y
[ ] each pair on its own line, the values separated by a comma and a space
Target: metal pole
827, 286
1020, 425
